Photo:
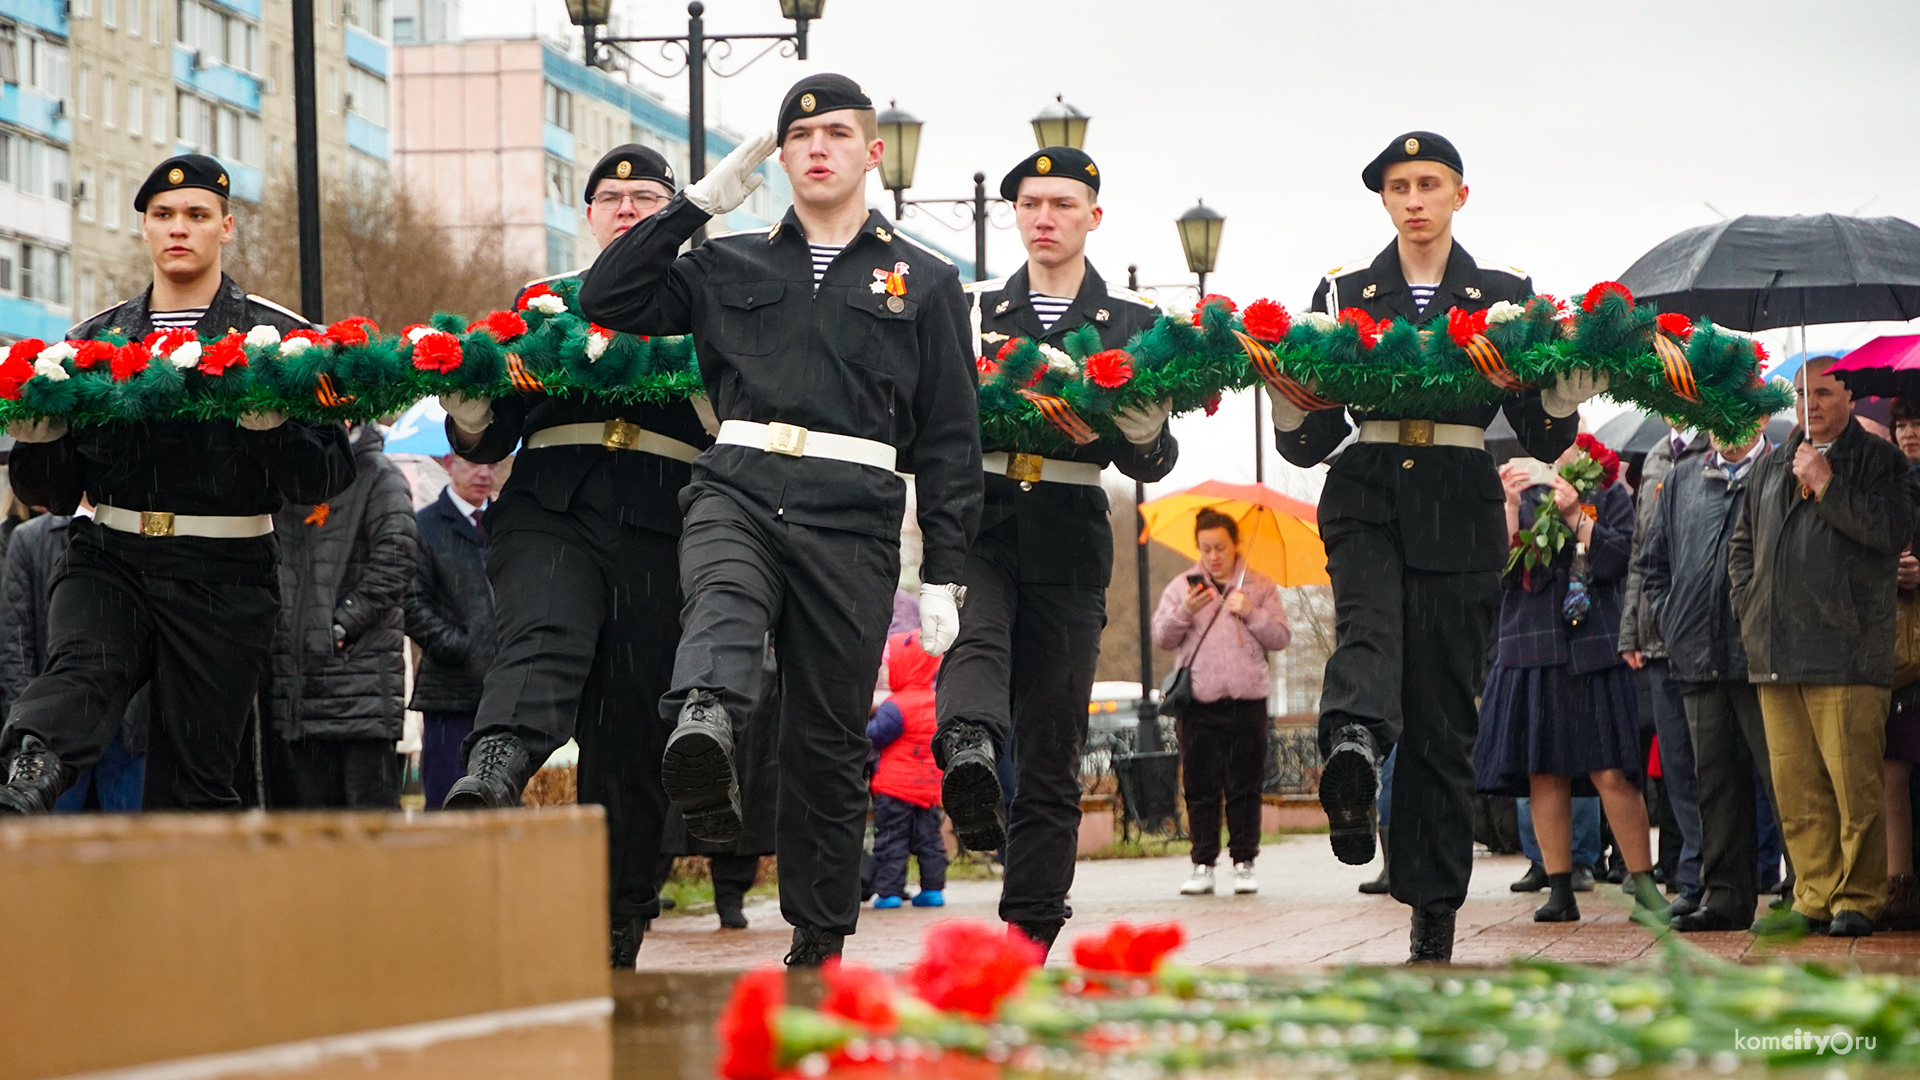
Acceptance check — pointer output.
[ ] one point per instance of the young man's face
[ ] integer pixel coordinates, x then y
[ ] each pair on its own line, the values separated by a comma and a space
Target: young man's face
185, 230
1421, 197
619, 205
1055, 214
827, 158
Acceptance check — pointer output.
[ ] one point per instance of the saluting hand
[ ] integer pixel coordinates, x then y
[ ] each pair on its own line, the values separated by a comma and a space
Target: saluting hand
731, 181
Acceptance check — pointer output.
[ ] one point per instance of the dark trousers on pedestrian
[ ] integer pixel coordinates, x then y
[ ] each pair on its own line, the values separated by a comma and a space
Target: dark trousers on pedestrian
1410, 663
332, 774
111, 785
442, 734
900, 829
1023, 670
826, 596
587, 632
202, 644
1729, 738
1678, 769
1223, 757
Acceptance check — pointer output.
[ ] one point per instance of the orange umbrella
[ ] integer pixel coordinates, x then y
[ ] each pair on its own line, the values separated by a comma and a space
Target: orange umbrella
1279, 536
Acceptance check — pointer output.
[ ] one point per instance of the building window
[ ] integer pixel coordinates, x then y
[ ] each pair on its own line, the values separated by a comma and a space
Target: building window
110, 201
367, 95
41, 64
333, 91
136, 109
9, 258
110, 12
159, 117
559, 182
43, 274
83, 93
86, 290
559, 252
218, 36
134, 18
559, 107
107, 93
156, 30
85, 208
402, 29
83, 8
9, 168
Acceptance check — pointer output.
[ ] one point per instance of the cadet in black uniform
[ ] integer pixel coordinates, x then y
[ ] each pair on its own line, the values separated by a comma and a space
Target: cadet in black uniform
835, 352
174, 580
1412, 517
583, 556
1036, 576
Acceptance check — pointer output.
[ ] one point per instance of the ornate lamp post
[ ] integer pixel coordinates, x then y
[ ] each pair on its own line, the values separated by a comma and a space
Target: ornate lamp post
1060, 124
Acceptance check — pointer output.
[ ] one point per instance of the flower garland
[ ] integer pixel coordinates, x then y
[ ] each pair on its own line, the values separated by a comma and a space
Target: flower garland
1593, 468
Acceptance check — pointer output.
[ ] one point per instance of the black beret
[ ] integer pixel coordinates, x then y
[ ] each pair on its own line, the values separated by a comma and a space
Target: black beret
630, 161
1052, 161
183, 171
818, 94
1413, 146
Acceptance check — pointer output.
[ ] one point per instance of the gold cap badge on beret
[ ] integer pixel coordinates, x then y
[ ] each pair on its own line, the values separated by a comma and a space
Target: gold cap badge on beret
1043, 166
222, 181
807, 102
1413, 146
623, 170
1091, 171
175, 175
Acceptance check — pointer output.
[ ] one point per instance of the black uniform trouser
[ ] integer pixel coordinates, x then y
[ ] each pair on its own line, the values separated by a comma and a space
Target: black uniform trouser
1037, 706
586, 645
1223, 761
1410, 661
826, 595
1729, 739
203, 645
342, 774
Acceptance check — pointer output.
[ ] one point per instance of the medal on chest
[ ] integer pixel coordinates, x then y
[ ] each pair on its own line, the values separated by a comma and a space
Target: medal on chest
893, 285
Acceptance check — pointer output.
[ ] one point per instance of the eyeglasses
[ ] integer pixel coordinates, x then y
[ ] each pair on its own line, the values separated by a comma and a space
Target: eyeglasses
611, 200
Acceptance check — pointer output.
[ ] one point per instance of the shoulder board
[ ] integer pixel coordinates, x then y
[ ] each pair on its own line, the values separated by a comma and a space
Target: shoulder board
898, 235
761, 231
1129, 296
981, 288
1352, 266
1494, 266
564, 274
266, 303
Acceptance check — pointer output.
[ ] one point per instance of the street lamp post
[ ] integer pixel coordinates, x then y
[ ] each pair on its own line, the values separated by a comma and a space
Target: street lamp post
306, 163
1060, 124
1146, 738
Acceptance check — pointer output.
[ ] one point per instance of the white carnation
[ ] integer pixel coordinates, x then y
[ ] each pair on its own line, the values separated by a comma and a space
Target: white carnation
597, 345
294, 346
57, 353
185, 356
262, 334
414, 335
49, 365
549, 303
1504, 312
1319, 320
1059, 361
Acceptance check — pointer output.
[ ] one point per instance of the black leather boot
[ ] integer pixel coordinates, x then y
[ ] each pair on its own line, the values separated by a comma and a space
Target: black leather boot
1349, 786
1382, 884
1560, 905
697, 770
497, 771
627, 936
1533, 880
1040, 933
33, 779
970, 788
811, 948
1432, 939
732, 911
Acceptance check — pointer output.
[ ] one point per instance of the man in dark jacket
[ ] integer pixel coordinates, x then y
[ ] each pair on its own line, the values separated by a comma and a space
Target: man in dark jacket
174, 579
450, 616
1813, 566
1645, 652
1414, 522
338, 678
1686, 592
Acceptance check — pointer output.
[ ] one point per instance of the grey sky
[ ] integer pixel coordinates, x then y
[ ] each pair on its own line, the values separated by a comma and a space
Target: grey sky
1589, 131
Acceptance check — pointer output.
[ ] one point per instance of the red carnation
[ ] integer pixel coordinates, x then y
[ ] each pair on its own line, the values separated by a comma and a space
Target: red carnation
746, 1026
1267, 321
313, 337
129, 360
1370, 331
1006, 350
1759, 352
503, 325
1676, 324
1208, 301
969, 967
17, 368
437, 352
1213, 404
860, 994
162, 342
1127, 949
1110, 368
25, 350
1608, 461
352, 330
1590, 303
1559, 305
88, 353
987, 368
223, 354
1464, 326
532, 291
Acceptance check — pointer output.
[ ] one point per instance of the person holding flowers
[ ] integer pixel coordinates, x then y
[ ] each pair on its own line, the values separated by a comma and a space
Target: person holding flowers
1560, 709
174, 580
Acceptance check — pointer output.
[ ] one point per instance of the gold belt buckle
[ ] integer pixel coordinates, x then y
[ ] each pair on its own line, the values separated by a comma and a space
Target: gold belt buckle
620, 435
788, 439
1024, 467
156, 523
1416, 433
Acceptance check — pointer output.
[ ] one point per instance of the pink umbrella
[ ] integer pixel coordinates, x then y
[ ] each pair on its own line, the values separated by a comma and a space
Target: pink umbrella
1887, 366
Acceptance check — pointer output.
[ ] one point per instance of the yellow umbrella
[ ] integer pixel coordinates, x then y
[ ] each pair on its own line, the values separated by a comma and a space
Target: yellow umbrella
1279, 536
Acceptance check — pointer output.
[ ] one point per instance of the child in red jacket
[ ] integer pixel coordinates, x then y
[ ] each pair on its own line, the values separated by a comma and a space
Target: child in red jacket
906, 782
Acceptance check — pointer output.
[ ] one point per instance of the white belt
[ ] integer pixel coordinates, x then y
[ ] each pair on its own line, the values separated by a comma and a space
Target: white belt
1031, 468
162, 523
794, 441
614, 435
1423, 433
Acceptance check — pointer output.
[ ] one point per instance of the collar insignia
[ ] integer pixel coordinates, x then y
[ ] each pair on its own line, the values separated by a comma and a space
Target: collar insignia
881, 232
1002, 306
1473, 293
1369, 292
1102, 315
774, 232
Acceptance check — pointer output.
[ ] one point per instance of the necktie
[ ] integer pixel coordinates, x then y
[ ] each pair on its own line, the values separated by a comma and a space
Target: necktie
478, 525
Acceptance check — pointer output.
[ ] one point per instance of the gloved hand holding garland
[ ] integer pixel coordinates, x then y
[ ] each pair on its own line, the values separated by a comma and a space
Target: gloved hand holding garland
1032, 396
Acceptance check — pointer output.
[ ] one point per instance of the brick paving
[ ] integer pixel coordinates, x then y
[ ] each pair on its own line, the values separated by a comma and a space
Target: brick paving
1308, 913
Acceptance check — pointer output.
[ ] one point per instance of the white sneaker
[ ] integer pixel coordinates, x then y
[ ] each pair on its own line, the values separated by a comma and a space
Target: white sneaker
1200, 884
1243, 881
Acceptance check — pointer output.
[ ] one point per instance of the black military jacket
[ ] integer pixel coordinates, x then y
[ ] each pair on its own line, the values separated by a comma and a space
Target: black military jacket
839, 358
212, 467
637, 489
1064, 535
1446, 500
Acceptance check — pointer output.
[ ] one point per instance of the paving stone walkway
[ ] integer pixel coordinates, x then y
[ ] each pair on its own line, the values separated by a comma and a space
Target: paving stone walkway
1307, 913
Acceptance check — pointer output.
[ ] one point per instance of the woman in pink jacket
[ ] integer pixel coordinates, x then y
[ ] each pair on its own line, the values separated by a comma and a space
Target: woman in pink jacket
1222, 619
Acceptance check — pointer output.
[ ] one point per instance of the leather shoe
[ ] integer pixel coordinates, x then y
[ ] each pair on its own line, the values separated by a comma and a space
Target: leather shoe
1582, 879
1533, 880
626, 937
970, 786
1349, 788
1378, 886
1850, 924
497, 771
33, 779
1685, 905
697, 770
811, 948
732, 912
1432, 939
1708, 920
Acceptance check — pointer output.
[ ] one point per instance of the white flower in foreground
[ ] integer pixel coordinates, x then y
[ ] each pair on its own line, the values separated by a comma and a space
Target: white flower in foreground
185, 356
597, 345
295, 346
48, 365
414, 335
57, 353
1319, 320
549, 303
1059, 361
262, 334
1504, 312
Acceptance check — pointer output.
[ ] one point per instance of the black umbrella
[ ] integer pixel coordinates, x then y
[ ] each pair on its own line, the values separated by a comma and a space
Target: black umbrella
1757, 273
1632, 434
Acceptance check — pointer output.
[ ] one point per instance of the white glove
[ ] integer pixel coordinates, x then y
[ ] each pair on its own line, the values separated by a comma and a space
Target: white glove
471, 415
1569, 390
939, 618
1142, 424
33, 431
264, 420
731, 181
1286, 415
704, 409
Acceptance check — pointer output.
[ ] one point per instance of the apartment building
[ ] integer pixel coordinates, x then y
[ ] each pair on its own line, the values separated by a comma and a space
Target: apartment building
36, 132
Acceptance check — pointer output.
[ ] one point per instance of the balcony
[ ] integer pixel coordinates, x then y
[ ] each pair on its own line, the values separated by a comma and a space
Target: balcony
231, 85
34, 111
48, 15
366, 136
